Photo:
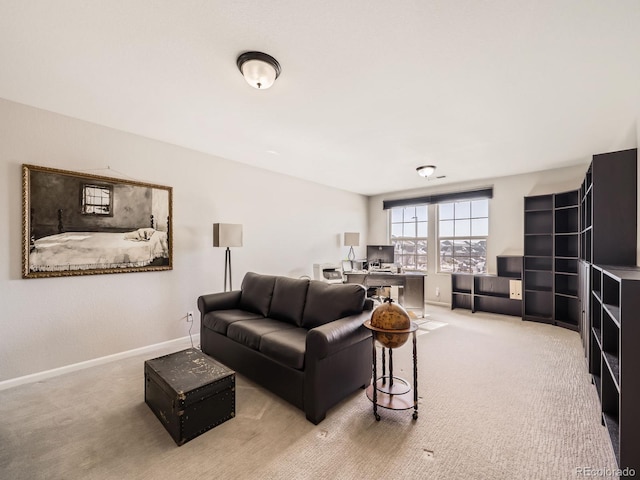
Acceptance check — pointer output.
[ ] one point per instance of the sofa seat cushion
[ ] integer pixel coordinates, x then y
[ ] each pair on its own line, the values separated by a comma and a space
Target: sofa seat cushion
328, 302
289, 295
286, 346
250, 332
219, 320
257, 291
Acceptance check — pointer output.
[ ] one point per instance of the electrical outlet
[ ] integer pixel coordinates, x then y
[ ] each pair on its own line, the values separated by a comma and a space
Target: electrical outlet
189, 317
437, 291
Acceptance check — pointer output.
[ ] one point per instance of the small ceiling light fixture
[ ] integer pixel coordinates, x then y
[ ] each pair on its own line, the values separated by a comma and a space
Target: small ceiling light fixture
259, 69
426, 170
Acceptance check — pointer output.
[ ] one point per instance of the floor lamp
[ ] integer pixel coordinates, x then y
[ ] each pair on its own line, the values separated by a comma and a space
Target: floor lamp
227, 235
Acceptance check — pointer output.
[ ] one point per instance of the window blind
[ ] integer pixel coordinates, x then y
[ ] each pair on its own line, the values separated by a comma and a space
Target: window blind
439, 198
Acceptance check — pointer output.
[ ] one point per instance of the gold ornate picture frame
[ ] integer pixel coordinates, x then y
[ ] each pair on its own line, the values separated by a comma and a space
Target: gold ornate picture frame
82, 224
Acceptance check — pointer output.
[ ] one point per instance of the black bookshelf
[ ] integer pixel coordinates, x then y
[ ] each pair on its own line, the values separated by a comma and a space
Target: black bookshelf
461, 291
585, 257
501, 293
609, 291
614, 208
509, 266
551, 250
538, 258
566, 236
615, 360
608, 213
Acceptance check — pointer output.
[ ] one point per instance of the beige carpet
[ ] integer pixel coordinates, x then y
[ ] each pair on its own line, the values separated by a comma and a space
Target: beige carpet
500, 399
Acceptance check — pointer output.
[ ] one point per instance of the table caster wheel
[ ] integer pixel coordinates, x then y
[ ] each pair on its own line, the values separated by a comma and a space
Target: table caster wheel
377, 417
415, 415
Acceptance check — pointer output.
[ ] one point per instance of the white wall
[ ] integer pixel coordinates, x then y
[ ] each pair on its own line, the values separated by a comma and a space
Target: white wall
47, 323
506, 217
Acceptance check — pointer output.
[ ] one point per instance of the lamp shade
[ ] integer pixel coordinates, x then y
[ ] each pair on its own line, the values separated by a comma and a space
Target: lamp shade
351, 239
227, 235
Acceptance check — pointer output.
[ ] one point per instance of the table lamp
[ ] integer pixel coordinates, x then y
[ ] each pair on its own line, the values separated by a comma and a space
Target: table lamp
351, 239
227, 235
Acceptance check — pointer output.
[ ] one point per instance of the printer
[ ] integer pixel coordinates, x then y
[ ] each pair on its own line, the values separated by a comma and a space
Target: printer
327, 272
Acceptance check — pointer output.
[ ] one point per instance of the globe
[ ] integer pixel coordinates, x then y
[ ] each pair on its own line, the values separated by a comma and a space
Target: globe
390, 316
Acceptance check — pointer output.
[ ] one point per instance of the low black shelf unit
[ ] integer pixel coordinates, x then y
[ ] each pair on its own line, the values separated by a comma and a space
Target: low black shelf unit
481, 292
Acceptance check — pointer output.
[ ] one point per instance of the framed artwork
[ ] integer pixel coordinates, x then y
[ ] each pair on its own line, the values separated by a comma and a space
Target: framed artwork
80, 224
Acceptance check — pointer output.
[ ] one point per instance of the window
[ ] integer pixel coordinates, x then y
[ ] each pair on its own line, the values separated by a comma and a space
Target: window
96, 199
463, 228
409, 236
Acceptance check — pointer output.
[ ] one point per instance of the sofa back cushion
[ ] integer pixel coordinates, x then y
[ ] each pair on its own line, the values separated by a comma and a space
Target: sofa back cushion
257, 291
289, 295
328, 302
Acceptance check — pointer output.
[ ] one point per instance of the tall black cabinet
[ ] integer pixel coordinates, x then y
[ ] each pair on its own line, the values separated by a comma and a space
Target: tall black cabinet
538, 258
566, 238
551, 240
609, 286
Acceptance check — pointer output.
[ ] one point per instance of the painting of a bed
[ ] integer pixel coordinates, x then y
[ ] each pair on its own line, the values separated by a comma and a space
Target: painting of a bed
97, 250
77, 224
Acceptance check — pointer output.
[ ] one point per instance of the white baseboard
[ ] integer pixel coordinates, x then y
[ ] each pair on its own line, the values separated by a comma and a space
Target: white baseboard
440, 304
183, 342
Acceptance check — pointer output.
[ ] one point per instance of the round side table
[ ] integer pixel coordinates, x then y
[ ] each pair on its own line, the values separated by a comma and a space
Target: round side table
388, 391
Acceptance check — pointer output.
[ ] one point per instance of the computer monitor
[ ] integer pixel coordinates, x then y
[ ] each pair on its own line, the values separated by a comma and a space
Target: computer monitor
378, 255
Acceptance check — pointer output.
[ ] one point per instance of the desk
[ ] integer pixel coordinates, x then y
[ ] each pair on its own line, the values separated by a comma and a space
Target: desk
411, 286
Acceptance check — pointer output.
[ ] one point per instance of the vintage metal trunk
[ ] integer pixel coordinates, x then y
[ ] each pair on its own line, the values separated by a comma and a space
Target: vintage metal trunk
189, 392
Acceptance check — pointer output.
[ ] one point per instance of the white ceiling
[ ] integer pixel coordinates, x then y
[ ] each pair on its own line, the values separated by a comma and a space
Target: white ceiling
370, 89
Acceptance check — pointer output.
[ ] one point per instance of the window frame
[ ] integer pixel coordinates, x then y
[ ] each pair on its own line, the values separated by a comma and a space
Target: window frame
415, 239
453, 238
84, 204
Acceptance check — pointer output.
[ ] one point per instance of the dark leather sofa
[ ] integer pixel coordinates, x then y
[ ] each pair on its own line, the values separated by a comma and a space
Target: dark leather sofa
302, 339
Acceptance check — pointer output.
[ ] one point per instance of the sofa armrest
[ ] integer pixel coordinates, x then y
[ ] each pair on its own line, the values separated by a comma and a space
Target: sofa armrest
219, 301
332, 337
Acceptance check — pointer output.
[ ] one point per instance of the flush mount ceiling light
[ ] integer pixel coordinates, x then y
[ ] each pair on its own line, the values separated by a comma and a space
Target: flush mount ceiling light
426, 170
259, 69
